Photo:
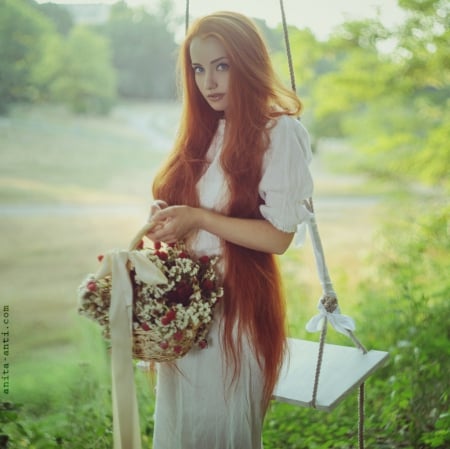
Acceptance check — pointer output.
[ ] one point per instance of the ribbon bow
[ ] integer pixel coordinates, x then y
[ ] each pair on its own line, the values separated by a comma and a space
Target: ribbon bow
328, 309
125, 410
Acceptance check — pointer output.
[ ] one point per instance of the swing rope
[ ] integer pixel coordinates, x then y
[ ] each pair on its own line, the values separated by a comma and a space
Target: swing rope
329, 299
288, 46
186, 21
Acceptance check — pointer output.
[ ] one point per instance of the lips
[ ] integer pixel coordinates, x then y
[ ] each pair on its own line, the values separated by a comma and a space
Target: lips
215, 97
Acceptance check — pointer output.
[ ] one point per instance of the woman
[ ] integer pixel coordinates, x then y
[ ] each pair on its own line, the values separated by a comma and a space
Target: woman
233, 185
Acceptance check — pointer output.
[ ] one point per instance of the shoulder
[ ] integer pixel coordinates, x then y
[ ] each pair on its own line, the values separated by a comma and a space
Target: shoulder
287, 126
288, 134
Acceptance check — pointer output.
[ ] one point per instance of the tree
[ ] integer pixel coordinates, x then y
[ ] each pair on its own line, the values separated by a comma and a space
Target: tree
25, 36
392, 104
59, 16
87, 79
144, 51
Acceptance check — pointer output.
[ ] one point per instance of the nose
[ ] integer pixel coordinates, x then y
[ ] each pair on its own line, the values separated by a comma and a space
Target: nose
210, 80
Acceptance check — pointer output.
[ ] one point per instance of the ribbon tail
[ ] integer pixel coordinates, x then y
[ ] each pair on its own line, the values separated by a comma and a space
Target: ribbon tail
146, 270
105, 267
341, 323
315, 324
125, 409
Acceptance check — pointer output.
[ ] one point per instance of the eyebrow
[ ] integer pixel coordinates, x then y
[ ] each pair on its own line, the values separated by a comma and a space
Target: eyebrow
213, 61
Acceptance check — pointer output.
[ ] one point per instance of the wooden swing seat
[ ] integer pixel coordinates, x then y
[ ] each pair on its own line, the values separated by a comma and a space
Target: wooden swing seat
343, 369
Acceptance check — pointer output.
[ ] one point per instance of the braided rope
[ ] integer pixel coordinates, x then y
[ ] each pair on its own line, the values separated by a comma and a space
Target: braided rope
288, 47
357, 343
361, 416
323, 335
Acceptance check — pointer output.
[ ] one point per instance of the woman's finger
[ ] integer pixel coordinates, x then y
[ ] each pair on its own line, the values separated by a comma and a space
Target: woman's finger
156, 207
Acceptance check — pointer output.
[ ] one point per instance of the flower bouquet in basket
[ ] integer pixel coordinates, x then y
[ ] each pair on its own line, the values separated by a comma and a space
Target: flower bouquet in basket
168, 318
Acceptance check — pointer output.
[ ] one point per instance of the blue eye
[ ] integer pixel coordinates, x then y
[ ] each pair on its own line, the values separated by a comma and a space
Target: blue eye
223, 67
198, 69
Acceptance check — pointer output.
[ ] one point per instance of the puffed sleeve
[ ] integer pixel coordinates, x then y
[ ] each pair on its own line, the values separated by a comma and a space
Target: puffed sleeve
286, 181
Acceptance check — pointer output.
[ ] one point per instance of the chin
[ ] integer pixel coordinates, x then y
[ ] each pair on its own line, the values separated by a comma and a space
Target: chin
217, 107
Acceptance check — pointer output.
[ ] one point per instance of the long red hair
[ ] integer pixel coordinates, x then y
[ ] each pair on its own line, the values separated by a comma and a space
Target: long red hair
254, 303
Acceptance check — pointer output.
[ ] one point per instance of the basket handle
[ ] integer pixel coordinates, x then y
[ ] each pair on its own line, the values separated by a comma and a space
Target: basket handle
140, 235
156, 206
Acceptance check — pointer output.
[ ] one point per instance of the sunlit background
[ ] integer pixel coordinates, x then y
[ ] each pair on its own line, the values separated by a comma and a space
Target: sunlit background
88, 110
320, 16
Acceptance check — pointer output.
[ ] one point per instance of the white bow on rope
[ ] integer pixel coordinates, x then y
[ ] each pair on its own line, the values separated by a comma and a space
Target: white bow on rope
341, 323
125, 410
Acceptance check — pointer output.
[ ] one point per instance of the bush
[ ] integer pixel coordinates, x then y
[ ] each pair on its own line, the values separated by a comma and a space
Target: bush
406, 309
87, 79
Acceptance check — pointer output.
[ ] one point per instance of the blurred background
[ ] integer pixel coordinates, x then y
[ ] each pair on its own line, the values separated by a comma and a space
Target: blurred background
89, 108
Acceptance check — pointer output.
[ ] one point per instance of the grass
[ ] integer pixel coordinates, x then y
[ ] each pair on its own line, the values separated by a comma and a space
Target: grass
72, 187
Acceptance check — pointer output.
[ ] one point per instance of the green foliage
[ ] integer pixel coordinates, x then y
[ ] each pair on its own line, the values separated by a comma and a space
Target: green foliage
25, 42
144, 51
38, 64
386, 90
87, 80
412, 285
291, 427
59, 16
83, 420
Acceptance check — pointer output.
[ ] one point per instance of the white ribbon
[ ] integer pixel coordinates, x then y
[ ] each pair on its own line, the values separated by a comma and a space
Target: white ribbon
341, 323
125, 408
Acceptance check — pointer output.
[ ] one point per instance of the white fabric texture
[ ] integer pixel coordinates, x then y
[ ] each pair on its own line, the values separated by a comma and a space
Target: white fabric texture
195, 406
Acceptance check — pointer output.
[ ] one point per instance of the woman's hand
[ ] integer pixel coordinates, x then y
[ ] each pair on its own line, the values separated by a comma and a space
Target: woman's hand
172, 223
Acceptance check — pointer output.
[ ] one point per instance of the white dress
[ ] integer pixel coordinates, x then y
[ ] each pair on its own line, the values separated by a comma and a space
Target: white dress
195, 406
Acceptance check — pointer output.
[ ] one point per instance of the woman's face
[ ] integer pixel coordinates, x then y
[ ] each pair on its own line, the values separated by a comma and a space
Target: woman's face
211, 70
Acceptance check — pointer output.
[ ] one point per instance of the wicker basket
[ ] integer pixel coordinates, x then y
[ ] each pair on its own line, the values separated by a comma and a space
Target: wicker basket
168, 319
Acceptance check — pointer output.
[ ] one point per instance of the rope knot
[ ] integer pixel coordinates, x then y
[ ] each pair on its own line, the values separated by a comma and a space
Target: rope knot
330, 302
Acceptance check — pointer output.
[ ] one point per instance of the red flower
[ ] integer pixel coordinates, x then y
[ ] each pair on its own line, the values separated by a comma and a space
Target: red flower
204, 259
207, 285
162, 255
91, 286
181, 294
178, 335
100, 257
164, 344
171, 314
183, 255
203, 344
184, 292
177, 349
145, 327
157, 245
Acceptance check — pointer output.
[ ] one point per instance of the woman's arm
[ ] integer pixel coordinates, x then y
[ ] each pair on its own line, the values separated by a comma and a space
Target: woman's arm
176, 222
